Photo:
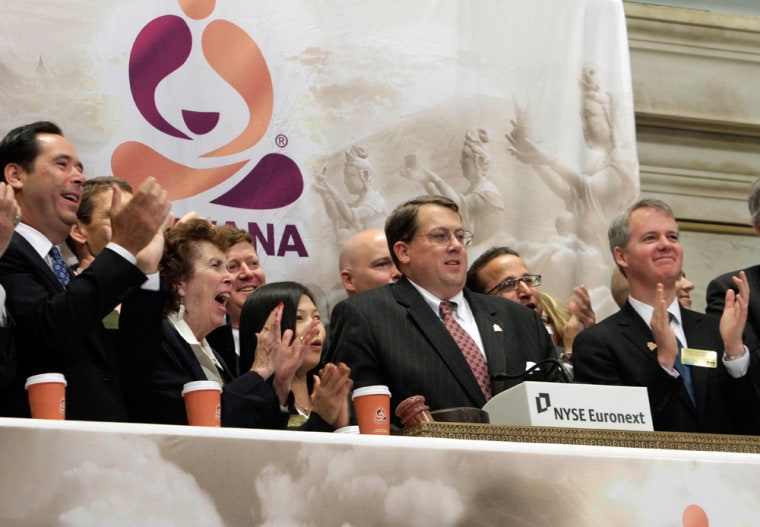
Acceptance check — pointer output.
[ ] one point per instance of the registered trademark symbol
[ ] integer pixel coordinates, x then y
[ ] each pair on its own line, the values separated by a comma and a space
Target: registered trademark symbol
281, 140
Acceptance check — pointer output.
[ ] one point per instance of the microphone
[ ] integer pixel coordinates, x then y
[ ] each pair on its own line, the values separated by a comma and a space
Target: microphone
556, 364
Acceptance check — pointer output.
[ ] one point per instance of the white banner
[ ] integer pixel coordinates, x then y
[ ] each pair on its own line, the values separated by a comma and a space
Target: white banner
85, 474
305, 121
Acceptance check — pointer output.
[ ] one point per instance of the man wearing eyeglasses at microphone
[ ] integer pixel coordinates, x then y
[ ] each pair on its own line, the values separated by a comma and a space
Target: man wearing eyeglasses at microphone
427, 334
501, 271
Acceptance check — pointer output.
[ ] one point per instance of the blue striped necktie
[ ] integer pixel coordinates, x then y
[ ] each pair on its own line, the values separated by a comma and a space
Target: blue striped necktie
683, 369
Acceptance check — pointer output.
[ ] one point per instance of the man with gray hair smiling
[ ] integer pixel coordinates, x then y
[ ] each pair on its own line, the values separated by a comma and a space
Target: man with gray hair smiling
695, 367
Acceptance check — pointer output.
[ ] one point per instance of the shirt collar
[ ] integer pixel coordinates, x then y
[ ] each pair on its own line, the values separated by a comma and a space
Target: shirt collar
39, 242
188, 336
182, 328
435, 303
646, 311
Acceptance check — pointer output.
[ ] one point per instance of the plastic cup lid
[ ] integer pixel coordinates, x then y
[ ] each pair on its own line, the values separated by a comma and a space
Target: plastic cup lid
45, 377
378, 389
200, 385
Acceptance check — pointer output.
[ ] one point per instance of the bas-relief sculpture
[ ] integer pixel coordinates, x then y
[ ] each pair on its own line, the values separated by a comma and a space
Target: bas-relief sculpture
481, 204
593, 187
366, 211
593, 194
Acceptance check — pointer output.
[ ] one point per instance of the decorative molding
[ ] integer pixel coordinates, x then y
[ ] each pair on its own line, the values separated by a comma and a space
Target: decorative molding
715, 227
705, 129
694, 76
697, 117
691, 17
697, 183
695, 69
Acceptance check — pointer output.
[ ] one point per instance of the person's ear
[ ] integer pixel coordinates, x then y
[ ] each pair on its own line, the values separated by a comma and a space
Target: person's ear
620, 257
347, 280
77, 233
401, 250
13, 176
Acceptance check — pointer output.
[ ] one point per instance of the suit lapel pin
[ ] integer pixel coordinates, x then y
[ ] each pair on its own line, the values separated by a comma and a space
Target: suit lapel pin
652, 346
497, 328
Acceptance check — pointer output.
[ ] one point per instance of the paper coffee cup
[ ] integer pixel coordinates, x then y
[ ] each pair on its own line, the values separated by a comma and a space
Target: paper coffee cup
372, 405
47, 395
203, 402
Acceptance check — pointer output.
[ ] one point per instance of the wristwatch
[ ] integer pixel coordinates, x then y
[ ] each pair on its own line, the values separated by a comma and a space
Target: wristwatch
729, 358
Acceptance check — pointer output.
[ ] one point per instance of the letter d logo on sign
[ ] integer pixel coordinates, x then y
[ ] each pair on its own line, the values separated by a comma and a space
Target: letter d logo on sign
543, 403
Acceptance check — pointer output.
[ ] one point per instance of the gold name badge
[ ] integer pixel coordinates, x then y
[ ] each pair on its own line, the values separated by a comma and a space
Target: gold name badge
702, 358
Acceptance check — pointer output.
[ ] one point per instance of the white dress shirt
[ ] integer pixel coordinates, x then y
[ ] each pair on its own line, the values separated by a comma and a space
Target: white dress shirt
736, 368
463, 313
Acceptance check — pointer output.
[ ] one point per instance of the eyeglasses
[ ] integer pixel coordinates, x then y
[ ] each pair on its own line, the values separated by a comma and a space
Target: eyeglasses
443, 236
512, 284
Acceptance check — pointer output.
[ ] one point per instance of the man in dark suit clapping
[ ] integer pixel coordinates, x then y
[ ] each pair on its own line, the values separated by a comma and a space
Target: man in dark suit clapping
58, 317
716, 289
694, 366
400, 334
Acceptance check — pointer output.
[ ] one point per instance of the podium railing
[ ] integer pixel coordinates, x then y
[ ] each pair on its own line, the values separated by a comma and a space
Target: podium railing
575, 436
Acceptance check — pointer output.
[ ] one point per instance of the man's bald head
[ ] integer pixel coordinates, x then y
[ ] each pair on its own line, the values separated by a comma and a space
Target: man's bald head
365, 262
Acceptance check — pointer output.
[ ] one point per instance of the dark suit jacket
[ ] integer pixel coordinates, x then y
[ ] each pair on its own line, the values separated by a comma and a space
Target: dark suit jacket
61, 330
164, 362
716, 297
7, 355
223, 342
616, 351
390, 336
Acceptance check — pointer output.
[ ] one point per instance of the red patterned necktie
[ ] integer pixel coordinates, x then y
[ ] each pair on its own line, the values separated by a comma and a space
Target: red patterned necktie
470, 350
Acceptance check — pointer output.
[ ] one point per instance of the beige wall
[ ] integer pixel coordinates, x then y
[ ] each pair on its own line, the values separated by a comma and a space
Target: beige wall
695, 81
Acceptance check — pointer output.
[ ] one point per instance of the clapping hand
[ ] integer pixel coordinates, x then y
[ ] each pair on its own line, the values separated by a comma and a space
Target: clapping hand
734, 316
9, 213
136, 223
329, 398
291, 356
664, 338
277, 355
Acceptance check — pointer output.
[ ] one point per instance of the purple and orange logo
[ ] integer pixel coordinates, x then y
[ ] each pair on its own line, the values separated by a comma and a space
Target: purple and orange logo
160, 49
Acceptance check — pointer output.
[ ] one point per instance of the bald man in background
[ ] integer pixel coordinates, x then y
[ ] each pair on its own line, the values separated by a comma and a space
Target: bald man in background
365, 262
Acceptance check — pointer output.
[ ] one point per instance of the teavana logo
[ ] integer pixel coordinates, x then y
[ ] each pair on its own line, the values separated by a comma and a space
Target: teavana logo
543, 403
162, 47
